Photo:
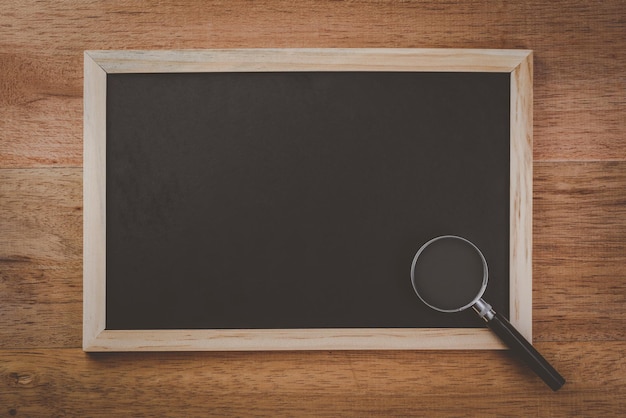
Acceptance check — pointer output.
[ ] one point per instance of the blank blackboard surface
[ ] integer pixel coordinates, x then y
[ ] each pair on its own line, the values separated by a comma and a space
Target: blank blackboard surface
297, 200
273, 199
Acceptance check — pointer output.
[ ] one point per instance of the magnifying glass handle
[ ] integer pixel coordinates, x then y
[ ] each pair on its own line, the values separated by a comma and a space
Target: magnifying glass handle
521, 347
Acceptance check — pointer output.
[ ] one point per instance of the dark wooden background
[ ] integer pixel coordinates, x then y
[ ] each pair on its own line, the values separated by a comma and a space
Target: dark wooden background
579, 287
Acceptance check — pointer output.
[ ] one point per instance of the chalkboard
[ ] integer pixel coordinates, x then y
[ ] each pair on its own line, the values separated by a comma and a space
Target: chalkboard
271, 204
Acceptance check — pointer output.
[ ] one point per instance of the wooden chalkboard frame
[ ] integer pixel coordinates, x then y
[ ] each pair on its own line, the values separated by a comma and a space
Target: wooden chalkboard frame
97, 64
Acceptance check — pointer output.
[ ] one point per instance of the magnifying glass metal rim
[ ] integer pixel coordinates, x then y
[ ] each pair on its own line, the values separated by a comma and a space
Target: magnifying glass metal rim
483, 287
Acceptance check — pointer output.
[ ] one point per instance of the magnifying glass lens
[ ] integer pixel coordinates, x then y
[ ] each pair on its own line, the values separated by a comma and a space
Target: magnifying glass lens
449, 274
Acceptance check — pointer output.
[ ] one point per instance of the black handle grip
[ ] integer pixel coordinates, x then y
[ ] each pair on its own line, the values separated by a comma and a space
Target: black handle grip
526, 351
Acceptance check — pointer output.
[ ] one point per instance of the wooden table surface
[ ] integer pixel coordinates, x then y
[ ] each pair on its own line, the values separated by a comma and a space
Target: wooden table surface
579, 288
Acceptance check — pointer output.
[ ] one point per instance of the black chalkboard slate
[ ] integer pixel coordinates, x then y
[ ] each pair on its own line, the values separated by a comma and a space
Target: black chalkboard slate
298, 199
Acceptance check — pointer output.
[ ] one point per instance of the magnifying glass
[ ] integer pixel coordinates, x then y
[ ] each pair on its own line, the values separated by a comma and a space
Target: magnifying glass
450, 274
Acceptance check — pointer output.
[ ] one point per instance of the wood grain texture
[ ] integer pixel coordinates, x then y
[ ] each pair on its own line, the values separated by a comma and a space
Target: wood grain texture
41, 217
39, 210
324, 383
293, 339
580, 251
579, 282
580, 53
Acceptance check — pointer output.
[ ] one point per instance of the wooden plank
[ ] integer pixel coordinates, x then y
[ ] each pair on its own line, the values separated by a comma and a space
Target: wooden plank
579, 77
41, 108
325, 383
38, 324
40, 257
99, 63
580, 251
41, 212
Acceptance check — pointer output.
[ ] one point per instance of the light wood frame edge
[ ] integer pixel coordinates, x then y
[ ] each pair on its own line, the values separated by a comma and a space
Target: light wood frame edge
94, 201
99, 63
521, 194
333, 59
